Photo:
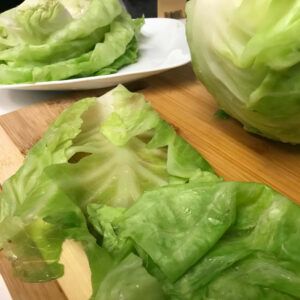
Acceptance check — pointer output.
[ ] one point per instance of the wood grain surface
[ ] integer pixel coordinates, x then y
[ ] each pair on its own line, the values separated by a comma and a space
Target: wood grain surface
171, 8
185, 103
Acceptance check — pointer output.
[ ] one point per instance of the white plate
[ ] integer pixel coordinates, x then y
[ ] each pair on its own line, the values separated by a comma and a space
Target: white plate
163, 46
4, 294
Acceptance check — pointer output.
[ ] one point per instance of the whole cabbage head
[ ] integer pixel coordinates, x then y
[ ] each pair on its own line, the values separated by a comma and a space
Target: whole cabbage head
247, 53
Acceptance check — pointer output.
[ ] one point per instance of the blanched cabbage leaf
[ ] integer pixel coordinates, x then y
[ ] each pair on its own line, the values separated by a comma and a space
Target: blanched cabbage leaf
130, 281
211, 240
79, 161
154, 219
54, 40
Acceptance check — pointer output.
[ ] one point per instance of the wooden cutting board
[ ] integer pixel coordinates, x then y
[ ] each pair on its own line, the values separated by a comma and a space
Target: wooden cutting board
182, 101
171, 8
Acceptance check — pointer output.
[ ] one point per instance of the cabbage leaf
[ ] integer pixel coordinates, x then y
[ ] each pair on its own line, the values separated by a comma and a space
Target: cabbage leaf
154, 219
55, 40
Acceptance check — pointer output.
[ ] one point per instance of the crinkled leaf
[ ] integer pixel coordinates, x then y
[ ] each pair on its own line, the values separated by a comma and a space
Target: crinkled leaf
103, 55
130, 281
206, 212
55, 40
200, 238
51, 149
132, 116
73, 170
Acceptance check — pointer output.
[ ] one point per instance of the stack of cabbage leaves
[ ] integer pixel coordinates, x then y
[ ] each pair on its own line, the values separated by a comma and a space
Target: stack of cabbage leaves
47, 40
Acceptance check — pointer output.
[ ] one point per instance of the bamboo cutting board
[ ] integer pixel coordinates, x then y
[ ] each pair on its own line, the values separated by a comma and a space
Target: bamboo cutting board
182, 101
171, 8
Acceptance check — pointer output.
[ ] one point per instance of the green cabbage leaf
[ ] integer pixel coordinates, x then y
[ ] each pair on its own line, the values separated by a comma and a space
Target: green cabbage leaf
56, 40
153, 218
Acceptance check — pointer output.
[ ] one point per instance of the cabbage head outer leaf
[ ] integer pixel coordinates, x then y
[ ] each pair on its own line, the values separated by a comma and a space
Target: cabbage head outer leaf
246, 53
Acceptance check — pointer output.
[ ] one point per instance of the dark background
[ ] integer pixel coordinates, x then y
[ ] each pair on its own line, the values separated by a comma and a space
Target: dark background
136, 8
7, 4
